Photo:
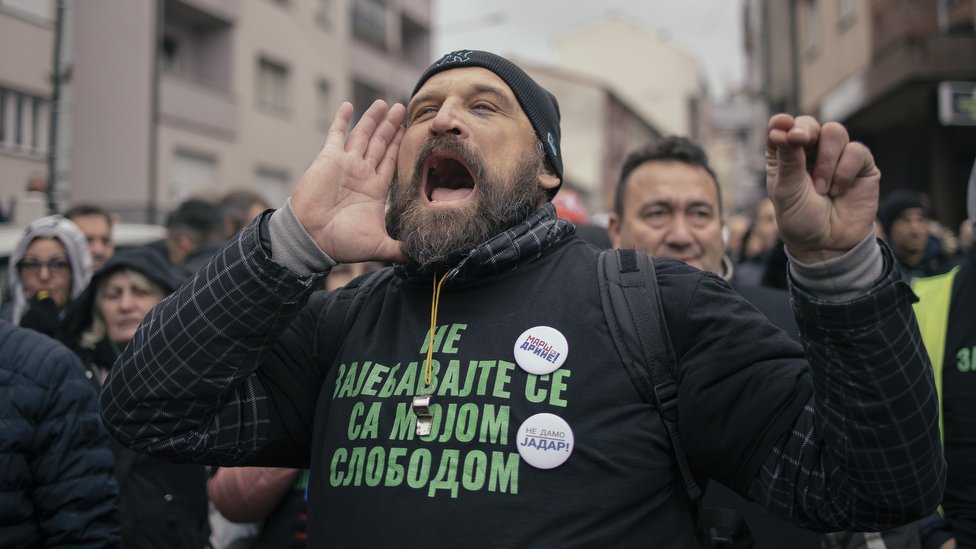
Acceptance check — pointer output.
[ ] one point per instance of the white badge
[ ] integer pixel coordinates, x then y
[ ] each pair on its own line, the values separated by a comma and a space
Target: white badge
541, 350
545, 441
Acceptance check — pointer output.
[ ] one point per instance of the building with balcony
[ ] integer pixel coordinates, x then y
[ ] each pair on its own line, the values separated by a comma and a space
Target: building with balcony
389, 47
900, 75
169, 99
27, 30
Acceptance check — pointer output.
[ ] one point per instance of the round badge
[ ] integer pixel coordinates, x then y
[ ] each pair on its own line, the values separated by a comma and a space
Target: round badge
545, 441
541, 350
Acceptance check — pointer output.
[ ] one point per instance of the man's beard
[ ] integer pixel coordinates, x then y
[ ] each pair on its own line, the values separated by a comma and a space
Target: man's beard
433, 237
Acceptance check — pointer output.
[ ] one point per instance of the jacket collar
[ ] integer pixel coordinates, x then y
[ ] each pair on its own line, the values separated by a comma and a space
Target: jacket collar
520, 244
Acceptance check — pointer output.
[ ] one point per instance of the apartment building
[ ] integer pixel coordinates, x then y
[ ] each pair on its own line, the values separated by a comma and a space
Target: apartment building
167, 99
27, 42
599, 129
901, 75
664, 83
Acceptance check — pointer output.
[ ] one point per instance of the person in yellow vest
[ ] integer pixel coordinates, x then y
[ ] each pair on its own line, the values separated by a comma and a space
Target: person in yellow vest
946, 313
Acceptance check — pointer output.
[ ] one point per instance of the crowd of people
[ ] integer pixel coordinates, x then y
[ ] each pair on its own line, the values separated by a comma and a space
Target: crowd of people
70, 283
419, 334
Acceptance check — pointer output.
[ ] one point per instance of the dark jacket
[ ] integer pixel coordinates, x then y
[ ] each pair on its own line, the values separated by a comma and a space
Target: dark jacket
198, 259
959, 405
951, 333
768, 530
253, 376
934, 262
56, 484
163, 504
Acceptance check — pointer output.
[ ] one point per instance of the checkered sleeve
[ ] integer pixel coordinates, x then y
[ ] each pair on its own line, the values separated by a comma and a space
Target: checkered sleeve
185, 387
864, 454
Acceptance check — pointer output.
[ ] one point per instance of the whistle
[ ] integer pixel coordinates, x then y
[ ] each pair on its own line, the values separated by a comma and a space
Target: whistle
421, 408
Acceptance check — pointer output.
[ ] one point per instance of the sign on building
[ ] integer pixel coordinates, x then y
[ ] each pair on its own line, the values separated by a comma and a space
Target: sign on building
957, 103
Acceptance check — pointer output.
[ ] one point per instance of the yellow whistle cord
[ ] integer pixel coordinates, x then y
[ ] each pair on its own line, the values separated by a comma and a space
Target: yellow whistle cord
435, 301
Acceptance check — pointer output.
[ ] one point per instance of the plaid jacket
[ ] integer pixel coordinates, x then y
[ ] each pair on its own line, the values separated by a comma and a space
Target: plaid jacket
863, 454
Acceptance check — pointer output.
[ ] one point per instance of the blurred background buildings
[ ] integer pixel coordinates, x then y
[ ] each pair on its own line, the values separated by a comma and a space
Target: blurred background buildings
900, 74
162, 100
140, 104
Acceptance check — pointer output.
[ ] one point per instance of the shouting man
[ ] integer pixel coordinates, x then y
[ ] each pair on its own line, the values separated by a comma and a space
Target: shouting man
472, 395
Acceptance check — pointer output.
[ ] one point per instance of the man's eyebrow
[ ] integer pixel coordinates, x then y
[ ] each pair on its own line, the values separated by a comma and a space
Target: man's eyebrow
420, 98
667, 202
705, 203
497, 93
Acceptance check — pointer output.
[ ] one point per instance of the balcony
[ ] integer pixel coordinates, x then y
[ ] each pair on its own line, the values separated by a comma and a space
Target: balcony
204, 13
190, 104
929, 58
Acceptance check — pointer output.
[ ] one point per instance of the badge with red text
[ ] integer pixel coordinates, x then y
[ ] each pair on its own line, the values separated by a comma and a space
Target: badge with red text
541, 350
545, 441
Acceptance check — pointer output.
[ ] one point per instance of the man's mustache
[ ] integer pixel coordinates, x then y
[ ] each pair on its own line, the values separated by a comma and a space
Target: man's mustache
441, 144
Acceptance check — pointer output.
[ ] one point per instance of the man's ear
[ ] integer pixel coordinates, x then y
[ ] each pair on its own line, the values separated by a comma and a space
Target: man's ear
548, 180
613, 229
230, 228
185, 244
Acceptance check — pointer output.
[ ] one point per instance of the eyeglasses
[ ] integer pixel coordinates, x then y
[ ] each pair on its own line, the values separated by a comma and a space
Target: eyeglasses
33, 266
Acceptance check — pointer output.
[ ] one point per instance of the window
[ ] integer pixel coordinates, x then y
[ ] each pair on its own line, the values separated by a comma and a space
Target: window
363, 96
3, 116
169, 54
273, 183
37, 9
23, 122
813, 28
272, 85
192, 172
323, 105
415, 39
196, 45
35, 123
846, 13
369, 21
323, 13
19, 132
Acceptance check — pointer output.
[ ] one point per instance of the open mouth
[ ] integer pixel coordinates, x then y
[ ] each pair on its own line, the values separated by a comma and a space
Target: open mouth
447, 179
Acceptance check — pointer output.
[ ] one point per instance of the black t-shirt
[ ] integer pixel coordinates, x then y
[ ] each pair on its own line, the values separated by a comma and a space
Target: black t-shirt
375, 483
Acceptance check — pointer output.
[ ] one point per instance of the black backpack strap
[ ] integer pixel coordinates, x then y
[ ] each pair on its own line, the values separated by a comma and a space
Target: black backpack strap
629, 293
725, 529
338, 317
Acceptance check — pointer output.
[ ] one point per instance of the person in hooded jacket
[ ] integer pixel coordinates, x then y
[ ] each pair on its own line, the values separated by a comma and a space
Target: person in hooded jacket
163, 504
56, 484
49, 268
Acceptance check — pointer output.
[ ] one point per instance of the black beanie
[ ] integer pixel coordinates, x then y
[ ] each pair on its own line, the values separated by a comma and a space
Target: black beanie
539, 105
895, 203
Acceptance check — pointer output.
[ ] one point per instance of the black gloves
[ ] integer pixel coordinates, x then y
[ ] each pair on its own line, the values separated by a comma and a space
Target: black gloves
42, 315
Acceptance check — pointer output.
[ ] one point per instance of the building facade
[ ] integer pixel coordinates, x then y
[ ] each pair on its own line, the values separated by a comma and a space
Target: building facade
169, 99
27, 31
598, 127
901, 75
664, 83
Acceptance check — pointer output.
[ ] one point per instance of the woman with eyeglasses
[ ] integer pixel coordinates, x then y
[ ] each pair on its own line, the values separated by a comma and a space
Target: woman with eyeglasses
50, 266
